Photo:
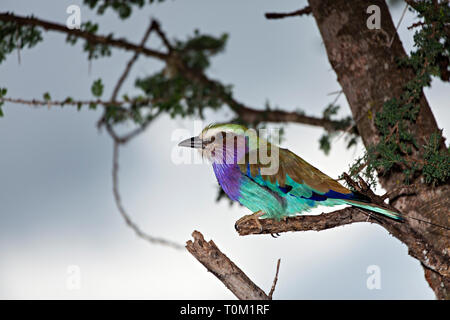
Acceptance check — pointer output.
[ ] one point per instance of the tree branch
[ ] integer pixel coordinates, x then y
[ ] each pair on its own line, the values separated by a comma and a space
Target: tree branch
254, 115
132, 61
302, 223
208, 254
71, 102
274, 15
247, 114
117, 140
90, 37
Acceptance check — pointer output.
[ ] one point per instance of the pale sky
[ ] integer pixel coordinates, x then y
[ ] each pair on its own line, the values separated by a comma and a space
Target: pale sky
56, 202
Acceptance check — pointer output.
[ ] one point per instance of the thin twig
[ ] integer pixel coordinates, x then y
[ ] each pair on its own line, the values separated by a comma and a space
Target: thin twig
337, 97
124, 75
398, 25
353, 125
275, 280
70, 102
126, 217
120, 140
132, 61
162, 35
18, 46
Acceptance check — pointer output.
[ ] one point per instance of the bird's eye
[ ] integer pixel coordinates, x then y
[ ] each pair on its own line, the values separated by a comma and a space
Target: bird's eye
207, 141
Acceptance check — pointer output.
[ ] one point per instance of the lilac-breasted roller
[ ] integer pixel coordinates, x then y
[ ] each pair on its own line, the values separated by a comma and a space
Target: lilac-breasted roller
270, 181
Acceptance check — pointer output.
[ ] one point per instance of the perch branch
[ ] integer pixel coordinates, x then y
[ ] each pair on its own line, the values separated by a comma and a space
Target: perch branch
350, 215
209, 255
302, 223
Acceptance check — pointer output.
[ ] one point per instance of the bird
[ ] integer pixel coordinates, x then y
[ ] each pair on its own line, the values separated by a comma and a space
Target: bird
292, 188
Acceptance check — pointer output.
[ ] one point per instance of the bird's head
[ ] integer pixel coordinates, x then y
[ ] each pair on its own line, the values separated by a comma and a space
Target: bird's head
225, 143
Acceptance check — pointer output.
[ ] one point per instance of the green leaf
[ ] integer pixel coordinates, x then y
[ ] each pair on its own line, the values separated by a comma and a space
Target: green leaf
47, 96
97, 88
324, 144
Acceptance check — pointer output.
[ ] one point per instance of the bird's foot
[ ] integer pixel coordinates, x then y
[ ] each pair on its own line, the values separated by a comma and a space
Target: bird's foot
251, 217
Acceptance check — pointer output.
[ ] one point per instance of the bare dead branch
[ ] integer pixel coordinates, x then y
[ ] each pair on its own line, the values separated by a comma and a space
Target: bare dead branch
274, 15
209, 255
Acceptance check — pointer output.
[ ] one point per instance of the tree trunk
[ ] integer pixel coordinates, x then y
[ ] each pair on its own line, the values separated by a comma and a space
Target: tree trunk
365, 64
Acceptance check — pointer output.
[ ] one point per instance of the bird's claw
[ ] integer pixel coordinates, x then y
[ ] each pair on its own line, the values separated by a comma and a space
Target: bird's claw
250, 217
275, 235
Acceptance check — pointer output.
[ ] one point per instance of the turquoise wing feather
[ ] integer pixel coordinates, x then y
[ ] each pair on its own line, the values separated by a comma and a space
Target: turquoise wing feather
298, 187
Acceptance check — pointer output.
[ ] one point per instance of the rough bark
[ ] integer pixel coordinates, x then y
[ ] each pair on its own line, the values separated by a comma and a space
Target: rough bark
365, 64
302, 223
208, 254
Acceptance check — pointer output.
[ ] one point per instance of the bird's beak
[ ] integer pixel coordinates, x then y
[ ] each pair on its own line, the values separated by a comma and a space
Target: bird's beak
194, 142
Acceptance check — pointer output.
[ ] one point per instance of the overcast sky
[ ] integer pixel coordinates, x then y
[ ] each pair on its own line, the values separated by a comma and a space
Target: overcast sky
56, 202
